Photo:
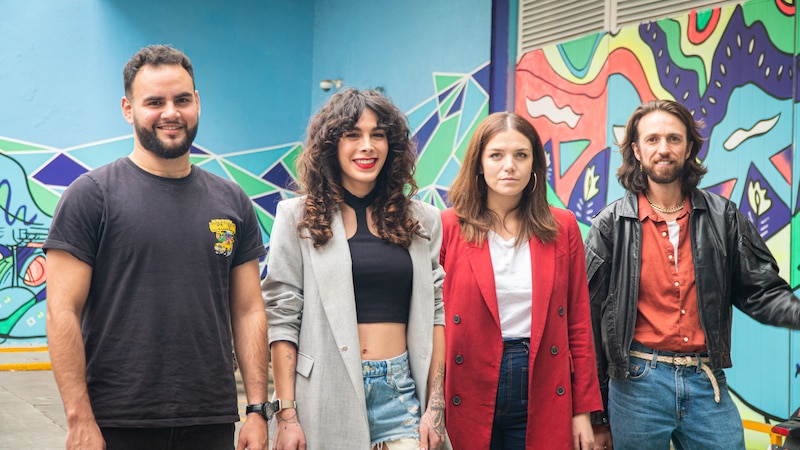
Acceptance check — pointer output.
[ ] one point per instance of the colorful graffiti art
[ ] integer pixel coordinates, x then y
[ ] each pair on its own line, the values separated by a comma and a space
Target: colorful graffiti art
734, 68
23, 229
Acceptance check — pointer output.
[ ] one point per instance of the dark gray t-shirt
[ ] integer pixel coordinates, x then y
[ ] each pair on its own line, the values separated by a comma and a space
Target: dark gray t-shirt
156, 324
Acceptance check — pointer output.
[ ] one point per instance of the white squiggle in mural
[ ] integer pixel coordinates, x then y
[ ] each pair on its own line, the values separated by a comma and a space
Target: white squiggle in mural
619, 133
740, 135
546, 107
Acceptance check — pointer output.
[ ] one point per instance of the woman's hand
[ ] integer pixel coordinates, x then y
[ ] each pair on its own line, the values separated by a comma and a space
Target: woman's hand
431, 427
582, 435
288, 434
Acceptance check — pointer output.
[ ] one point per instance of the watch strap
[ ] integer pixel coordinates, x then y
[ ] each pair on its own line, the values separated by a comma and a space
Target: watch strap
280, 405
267, 410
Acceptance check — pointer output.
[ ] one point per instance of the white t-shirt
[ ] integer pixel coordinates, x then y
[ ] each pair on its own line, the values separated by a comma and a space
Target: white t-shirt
512, 280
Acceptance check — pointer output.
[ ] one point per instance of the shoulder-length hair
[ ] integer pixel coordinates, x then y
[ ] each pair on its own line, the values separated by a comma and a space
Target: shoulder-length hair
630, 175
468, 191
320, 175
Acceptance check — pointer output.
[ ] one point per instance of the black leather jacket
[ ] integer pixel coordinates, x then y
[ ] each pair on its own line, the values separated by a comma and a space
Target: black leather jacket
733, 267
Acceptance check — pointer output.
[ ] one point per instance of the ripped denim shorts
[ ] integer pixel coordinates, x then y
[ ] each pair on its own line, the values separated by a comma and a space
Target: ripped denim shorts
393, 409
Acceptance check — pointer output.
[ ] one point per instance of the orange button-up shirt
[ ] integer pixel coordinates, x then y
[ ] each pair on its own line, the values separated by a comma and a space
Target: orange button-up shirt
668, 317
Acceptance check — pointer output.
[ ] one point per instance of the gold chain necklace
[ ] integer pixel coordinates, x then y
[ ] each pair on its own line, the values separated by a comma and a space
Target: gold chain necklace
662, 209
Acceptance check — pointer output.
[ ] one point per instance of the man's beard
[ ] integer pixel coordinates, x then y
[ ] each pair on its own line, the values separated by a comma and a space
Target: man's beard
675, 172
152, 143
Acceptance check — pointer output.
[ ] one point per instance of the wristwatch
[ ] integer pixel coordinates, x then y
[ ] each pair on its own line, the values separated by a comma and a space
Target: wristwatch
269, 409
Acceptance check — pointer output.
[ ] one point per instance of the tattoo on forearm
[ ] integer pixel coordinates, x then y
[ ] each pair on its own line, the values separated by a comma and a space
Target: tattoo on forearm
292, 365
437, 403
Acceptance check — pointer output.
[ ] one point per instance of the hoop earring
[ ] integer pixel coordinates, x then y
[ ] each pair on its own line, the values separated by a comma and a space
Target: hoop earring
535, 181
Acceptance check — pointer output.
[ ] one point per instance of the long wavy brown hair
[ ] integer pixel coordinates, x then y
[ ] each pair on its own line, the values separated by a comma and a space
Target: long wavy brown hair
630, 174
320, 175
468, 191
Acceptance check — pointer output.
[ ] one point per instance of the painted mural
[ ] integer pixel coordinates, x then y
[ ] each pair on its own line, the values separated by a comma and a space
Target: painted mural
734, 67
32, 178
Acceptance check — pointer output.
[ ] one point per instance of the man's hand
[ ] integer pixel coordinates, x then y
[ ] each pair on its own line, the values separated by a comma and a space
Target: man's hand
602, 438
85, 435
253, 435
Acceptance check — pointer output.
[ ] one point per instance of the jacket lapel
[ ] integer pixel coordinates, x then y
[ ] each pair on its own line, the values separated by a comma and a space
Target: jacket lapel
480, 261
542, 272
333, 271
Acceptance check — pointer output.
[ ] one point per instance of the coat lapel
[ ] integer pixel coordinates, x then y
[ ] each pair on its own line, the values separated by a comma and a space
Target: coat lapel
480, 261
333, 271
542, 266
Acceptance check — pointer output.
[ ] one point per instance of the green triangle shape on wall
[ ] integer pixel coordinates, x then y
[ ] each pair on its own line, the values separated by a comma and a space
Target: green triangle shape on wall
14, 146
252, 185
198, 159
570, 151
443, 82
290, 159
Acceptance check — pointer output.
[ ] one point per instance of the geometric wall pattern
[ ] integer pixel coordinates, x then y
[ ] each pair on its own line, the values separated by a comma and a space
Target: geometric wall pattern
32, 178
735, 69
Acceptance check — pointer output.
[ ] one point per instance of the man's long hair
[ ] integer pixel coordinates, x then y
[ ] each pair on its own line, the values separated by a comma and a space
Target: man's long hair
320, 174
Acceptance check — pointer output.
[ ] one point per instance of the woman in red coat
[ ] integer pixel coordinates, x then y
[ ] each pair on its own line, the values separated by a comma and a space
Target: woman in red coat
521, 370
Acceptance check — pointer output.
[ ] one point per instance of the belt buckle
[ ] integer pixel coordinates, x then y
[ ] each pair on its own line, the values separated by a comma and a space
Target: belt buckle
681, 360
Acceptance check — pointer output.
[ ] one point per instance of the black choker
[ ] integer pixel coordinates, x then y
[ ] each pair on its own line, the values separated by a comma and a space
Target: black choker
359, 202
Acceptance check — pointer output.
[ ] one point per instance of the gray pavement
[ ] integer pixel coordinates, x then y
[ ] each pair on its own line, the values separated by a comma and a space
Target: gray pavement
31, 413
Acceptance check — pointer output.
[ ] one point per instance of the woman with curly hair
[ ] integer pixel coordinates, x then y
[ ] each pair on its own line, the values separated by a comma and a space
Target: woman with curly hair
353, 289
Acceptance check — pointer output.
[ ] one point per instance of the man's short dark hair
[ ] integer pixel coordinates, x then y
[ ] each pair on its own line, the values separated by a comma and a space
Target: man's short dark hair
154, 55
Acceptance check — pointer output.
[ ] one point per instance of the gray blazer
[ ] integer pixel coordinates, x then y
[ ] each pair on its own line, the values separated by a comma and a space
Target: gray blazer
310, 302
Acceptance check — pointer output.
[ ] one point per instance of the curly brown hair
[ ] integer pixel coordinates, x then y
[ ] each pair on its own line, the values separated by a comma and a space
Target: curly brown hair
320, 175
468, 192
630, 175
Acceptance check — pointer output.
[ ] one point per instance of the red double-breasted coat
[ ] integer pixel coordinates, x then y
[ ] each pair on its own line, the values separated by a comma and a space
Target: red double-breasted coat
562, 373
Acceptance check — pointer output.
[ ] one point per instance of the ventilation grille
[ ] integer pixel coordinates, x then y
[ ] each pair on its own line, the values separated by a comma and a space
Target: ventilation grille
547, 22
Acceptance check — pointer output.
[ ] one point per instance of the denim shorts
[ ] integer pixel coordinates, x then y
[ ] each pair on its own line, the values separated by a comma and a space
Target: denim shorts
393, 409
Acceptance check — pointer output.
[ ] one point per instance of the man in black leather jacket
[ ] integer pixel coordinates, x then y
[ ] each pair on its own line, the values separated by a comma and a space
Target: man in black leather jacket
665, 265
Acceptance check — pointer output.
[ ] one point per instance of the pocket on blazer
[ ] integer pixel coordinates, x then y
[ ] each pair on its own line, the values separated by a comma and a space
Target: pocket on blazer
304, 364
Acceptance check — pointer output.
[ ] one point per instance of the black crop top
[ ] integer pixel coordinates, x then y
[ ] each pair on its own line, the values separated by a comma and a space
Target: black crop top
382, 271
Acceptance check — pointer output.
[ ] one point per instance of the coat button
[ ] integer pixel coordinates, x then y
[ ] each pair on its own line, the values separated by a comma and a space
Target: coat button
456, 400
560, 390
554, 350
344, 348
560, 310
459, 359
456, 319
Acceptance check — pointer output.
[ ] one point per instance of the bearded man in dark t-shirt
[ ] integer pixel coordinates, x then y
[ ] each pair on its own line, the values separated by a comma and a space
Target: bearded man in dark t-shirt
152, 268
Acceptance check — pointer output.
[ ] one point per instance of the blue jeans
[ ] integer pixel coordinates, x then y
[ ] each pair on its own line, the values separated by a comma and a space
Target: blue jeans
393, 409
511, 408
659, 402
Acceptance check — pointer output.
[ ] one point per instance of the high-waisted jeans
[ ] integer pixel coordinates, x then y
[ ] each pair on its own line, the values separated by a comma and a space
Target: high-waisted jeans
511, 410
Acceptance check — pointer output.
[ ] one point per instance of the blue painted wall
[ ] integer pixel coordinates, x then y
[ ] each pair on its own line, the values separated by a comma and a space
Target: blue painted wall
398, 45
61, 67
